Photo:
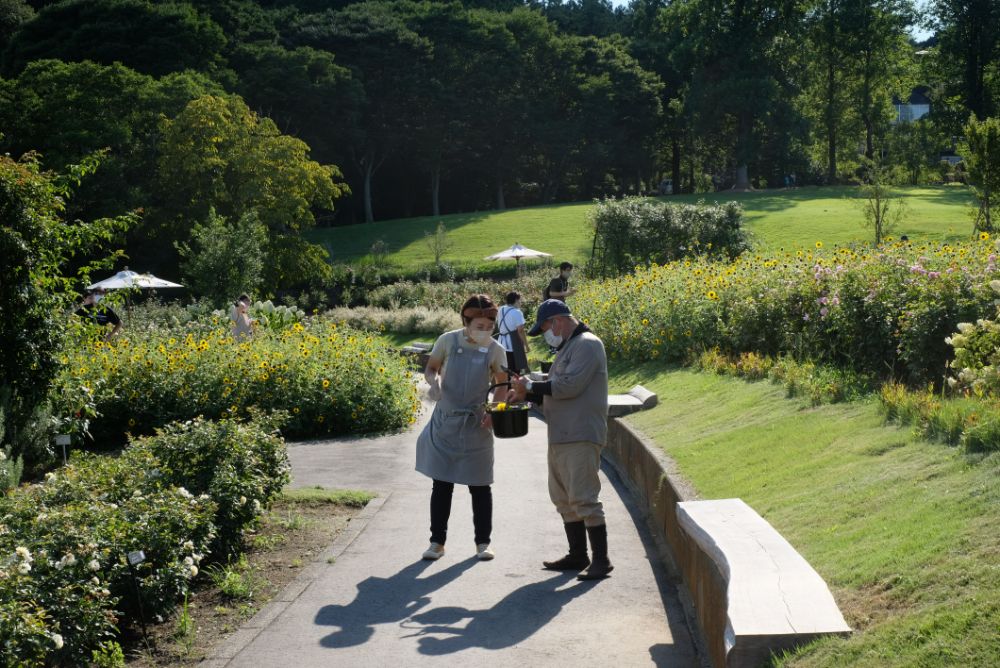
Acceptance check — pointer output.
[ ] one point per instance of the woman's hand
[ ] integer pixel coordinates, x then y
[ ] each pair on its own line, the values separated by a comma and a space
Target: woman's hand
487, 421
434, 393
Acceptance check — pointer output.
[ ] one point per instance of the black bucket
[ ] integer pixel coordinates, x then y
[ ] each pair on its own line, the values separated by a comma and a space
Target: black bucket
512, 422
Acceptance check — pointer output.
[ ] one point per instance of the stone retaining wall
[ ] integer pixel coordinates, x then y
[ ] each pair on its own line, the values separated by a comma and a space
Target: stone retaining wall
647, 471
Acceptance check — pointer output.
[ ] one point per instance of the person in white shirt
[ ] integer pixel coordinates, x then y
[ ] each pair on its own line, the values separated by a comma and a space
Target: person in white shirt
512, 337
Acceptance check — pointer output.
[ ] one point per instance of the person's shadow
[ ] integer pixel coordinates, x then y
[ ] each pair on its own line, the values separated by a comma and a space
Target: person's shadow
513, 619
383, 600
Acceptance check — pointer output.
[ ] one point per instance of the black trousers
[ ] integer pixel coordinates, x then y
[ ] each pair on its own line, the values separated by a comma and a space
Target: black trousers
482, 511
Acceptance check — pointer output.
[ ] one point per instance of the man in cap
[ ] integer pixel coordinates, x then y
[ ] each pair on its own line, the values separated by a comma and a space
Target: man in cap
575, 403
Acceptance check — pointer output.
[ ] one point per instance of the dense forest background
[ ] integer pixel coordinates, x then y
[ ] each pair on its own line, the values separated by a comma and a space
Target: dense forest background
273, 116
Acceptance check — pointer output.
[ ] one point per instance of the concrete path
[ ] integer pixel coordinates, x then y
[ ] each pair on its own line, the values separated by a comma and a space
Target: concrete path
379, 604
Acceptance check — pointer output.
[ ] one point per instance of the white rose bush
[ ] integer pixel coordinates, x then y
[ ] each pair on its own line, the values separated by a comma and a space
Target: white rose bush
65, 585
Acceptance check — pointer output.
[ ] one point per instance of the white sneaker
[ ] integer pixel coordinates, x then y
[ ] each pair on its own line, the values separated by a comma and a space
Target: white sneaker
434, 552
483, 552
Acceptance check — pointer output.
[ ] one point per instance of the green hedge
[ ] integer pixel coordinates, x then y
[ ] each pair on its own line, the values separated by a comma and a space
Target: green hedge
65, 587
637, 231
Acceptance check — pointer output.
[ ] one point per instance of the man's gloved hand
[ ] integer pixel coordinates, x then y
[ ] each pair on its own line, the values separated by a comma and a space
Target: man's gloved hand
434, 394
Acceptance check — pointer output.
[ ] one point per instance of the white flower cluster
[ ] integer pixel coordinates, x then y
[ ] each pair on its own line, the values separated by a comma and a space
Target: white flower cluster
23, 556
68, 560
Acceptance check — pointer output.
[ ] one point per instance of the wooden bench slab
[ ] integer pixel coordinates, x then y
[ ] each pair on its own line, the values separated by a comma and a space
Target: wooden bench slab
774, 599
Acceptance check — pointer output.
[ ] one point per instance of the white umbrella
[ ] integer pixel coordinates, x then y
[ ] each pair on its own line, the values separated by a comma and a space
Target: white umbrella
130, 279
516, 252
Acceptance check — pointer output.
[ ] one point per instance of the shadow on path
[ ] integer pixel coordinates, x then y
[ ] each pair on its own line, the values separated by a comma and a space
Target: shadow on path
384, 600
513, 619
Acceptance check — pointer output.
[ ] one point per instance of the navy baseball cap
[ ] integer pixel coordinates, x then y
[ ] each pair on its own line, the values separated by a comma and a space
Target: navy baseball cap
546, 310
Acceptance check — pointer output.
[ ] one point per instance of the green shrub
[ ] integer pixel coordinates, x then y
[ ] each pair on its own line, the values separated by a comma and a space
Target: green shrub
637, 231
821, 384
65, 583
241, 466
882, 312
331, 379
224, 259
38, 247
983, 435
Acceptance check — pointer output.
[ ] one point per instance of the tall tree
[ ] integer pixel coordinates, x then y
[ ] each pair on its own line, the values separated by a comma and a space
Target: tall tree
881, 63
741, 51
826, 99
218, 153
388, 58
66, 111
969, 44
148, 37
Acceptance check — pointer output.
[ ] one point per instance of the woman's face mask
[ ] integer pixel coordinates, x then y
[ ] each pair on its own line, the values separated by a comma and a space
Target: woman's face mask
480, 336
98, 298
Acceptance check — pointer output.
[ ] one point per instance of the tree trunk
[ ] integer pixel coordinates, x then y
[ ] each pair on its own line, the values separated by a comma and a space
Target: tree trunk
501, 205
675, 164
742, 179
369, 170
436, 190
831, 121
744, 130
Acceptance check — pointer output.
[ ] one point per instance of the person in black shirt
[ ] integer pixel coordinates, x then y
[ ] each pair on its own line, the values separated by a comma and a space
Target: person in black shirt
558, 287
102, 316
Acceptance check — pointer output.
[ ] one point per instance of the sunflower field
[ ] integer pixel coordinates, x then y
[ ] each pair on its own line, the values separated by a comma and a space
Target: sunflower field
331, 379
884, 311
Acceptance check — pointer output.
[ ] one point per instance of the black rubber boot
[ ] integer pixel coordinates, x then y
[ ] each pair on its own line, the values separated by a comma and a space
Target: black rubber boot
600, 567
576, 534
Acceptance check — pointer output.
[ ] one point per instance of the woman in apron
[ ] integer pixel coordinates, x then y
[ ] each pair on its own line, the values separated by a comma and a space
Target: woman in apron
456, 446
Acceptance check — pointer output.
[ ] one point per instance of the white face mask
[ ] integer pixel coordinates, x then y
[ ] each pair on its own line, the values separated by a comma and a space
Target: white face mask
551, 338
479, 336
98, 298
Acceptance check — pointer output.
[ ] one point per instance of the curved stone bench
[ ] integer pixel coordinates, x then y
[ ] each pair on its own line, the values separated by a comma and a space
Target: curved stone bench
753, 594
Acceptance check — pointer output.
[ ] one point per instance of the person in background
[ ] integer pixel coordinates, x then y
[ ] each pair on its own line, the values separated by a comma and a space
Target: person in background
575, 402
512, 336
456, 446
242, 323
558, 287
102, 316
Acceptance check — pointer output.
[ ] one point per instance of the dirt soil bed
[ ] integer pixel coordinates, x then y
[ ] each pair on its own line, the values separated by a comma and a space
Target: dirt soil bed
292, 534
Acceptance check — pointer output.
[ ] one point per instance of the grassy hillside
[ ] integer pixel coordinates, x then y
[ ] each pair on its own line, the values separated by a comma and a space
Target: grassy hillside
776, 217
904, 531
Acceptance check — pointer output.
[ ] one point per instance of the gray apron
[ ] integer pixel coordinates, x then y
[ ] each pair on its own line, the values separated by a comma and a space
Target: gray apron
453, 446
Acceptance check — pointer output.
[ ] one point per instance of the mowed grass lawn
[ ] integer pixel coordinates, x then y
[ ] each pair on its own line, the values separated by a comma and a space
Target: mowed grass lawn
904, 531
777, 218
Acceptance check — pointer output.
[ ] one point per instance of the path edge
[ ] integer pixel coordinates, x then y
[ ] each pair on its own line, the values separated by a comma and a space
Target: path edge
653, 480
224, 652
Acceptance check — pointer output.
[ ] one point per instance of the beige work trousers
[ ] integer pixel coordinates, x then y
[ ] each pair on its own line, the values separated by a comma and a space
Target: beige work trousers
574, 485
